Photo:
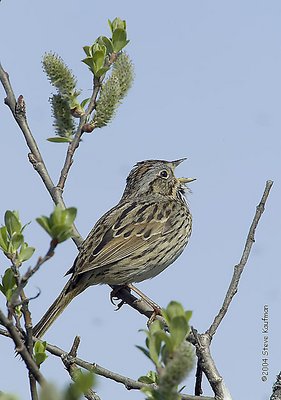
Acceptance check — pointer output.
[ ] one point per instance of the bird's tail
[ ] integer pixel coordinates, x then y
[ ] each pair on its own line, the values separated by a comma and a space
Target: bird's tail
66, 296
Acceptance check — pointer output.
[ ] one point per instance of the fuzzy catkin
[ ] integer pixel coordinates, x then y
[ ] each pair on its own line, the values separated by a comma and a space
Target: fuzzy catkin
176, 369
63, 121
59, 74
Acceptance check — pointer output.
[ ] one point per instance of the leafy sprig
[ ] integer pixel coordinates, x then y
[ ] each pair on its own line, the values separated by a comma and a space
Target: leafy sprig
59, 224
12, 241
170, 352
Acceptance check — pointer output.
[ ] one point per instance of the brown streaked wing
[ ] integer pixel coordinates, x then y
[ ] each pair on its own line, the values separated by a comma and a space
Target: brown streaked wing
134, 236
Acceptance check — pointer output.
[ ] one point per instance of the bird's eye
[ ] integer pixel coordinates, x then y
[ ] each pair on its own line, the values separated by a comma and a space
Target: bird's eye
164, 174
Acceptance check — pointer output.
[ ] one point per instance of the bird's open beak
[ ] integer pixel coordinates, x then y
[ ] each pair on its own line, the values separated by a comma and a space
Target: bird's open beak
177, 162
186, 180
182, 181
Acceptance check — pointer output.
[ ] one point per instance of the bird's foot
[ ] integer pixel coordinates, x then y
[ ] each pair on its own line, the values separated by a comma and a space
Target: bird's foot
114, 295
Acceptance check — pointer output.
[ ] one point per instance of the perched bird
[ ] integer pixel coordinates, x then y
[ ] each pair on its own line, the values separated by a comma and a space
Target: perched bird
136, 240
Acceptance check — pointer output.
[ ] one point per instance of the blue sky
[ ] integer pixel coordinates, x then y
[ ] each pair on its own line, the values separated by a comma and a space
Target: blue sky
207, 87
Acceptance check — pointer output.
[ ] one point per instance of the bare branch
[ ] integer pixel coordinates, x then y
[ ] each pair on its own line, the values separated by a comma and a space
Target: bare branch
21, 349
238, 269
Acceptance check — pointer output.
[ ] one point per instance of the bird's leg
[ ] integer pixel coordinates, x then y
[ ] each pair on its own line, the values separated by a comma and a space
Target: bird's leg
156, 308
114, 295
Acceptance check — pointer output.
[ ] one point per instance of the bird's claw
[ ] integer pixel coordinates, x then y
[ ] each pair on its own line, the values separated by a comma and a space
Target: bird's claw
114, 296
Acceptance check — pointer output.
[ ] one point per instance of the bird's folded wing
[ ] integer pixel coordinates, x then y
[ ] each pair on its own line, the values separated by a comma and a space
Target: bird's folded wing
124, 242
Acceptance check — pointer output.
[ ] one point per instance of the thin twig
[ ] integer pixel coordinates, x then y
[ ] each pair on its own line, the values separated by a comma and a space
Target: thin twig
198, 381
238, 269
21, 349
72, 147
22, 281
73, 370
29, 341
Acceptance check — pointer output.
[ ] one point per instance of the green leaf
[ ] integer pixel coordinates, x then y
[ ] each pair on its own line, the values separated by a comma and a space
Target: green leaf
165, 339
4, 238
106, 42
57, 217
43, 221
87, 50
155, 327
173, 309
70, 215
101, 71
188, 315
40, 358
16, 241
61, 233
110, 25
145, 352
119, 40
9, 293
98, 59
153, 351
59, 224
178, 329
85, 102
40, 352
117, 23
39, 346
144, 379
60, 139
12, 222
82, 383
8, 281
25, 252
90, 62
150, 377
25, 225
